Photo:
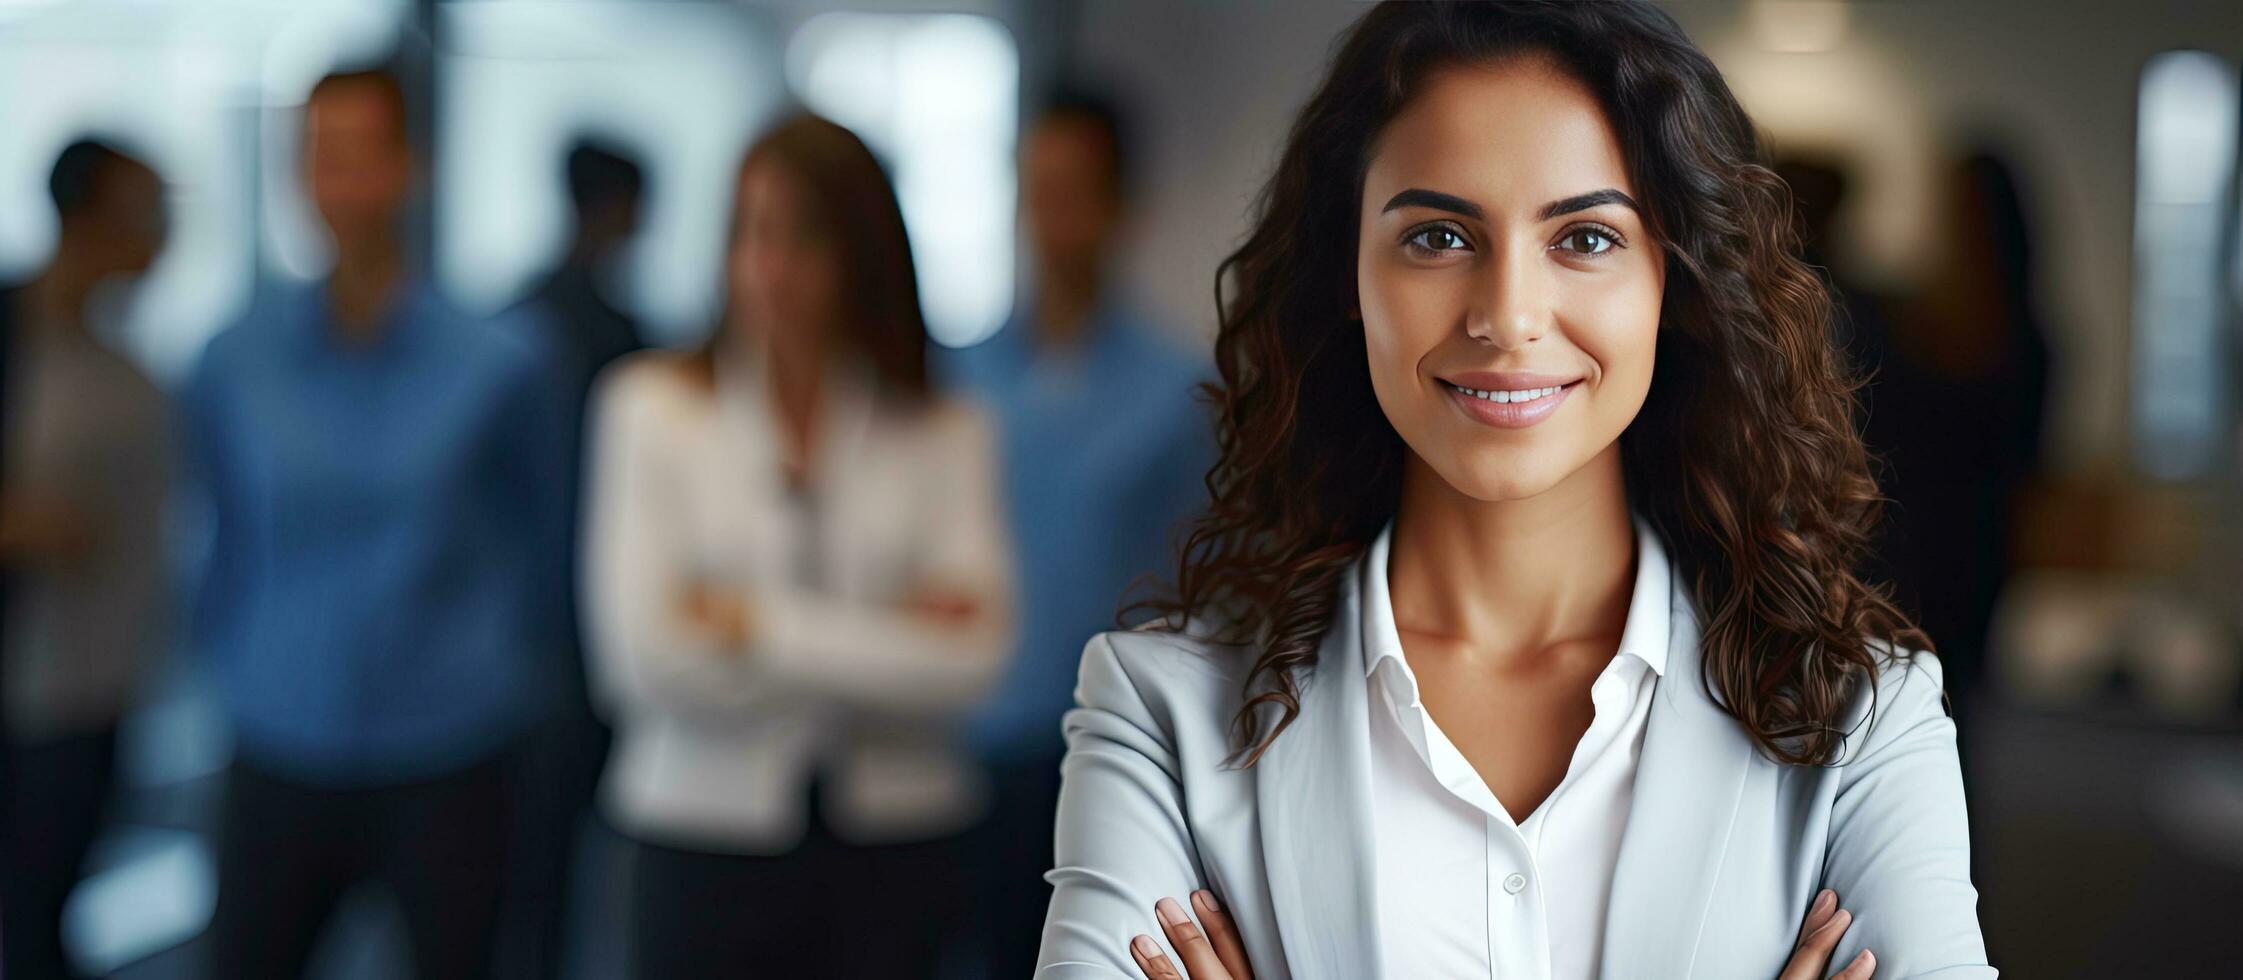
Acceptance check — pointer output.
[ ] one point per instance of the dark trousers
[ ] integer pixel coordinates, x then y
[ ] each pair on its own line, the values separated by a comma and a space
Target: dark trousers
288, 853
825, 909
52, 794
557, 779
1012, 850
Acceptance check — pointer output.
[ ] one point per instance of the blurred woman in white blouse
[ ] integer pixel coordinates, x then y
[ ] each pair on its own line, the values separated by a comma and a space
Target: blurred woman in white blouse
796, 578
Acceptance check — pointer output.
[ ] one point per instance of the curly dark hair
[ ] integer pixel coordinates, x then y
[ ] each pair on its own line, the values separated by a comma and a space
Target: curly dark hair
1744, 458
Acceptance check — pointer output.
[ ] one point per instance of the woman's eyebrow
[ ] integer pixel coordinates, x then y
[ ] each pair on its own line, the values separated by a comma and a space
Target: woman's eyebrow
1583, 202
1420, 197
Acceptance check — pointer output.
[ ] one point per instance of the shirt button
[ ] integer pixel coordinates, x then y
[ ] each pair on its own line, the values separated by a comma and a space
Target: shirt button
1514, 883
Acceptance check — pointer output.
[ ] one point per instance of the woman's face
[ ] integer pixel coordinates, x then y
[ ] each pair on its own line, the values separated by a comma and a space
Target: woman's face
785, 271
1510, 292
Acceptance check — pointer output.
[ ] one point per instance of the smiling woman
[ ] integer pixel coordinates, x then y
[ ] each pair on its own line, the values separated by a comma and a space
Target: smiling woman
1523, 628
1509, 258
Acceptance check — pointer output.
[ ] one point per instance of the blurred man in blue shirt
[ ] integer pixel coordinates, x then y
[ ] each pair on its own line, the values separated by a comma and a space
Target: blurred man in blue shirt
385, 481
1106, 448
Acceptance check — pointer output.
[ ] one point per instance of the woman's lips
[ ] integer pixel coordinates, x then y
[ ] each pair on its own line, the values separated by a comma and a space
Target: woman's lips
1509, 414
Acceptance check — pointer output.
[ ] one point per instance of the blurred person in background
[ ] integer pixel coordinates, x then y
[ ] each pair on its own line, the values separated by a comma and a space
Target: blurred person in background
1955, 403
1104, 448
1820, 187
798, 581
1955, 406
385, 481
561, 767
606, 189
81, 544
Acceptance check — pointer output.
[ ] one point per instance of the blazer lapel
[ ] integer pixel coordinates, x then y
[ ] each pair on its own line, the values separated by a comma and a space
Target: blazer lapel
1688, 784
1312, 789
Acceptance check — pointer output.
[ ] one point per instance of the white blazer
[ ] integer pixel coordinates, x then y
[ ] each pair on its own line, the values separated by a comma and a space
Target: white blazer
715, 747
1724, 849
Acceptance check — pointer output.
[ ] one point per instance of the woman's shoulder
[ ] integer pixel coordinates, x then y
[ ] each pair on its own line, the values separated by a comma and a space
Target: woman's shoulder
654, 381
657, 372
1903, 695
1181, 677
955, 418
938, 435
1172, 645
1903, 674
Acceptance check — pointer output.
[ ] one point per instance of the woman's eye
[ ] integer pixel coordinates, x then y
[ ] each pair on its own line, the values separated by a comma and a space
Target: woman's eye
1589, 241
1437, 240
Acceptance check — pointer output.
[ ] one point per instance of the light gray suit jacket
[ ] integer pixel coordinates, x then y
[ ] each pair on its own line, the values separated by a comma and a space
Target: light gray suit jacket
1724, 849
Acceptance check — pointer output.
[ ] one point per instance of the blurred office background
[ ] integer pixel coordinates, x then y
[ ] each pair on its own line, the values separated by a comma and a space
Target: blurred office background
2031, 207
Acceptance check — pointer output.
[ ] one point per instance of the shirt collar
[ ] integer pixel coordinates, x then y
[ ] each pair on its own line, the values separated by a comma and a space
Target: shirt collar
1650, 626
1646, 634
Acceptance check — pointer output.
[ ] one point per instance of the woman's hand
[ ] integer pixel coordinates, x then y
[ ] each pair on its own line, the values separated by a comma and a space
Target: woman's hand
1215, 954
1212, 950
947, 607
719, 615
1818, 936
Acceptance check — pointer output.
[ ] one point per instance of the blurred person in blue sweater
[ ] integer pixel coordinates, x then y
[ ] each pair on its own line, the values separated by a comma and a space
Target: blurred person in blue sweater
1105, 445
384, 476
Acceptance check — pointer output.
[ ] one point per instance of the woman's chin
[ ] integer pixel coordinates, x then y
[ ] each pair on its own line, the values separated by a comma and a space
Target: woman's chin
1497, 482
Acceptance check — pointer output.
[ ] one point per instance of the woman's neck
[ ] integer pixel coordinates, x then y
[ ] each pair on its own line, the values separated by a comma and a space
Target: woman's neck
796, 373
1509, 579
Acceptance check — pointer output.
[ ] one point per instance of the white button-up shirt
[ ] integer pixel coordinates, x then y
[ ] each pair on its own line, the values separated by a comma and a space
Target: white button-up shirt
1463, 890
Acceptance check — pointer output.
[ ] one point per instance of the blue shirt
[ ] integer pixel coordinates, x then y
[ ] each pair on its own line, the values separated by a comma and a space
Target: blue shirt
387, 553
1106, 446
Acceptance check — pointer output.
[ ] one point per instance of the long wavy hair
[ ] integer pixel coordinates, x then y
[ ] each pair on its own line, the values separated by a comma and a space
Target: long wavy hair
1744, 459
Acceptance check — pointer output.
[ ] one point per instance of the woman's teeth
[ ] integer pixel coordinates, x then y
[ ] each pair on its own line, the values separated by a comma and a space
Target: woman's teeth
1507, 397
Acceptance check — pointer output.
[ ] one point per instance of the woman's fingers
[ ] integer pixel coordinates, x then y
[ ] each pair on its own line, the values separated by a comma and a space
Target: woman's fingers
1210, 947
1228, 947
1825, 903
1813, 955
1146, 951
947, 606
1863, 967
722, 617
1200, 959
